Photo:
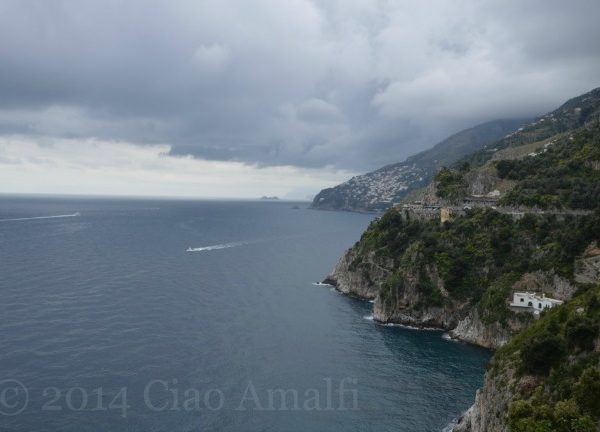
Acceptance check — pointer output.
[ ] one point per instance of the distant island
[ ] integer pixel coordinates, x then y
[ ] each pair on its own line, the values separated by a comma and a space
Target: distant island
270, 198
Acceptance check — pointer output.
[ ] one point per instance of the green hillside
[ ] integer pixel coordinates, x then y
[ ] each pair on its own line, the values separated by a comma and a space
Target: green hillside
556, 364
573, 114
478, 256
565, 175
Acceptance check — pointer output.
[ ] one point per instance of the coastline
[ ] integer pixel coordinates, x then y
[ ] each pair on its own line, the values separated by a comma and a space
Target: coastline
408, 324
461, 423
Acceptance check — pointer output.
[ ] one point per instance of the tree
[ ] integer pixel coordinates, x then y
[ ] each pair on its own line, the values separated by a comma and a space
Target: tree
587, 391
542, 352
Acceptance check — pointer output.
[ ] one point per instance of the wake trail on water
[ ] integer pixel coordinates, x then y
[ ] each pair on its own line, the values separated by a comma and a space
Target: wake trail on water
41, 217
239, 243
216, 247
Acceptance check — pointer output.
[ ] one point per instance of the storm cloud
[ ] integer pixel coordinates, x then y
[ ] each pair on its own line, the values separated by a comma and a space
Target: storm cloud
345, 84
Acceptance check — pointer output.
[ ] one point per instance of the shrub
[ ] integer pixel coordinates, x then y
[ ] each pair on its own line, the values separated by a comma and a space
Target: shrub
580, 333
587, 391
450, 184
542, 352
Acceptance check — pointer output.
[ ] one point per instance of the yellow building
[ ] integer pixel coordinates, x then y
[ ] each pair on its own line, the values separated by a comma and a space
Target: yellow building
446, 214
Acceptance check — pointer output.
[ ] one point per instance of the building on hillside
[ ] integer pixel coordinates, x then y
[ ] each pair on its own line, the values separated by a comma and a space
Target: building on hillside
533, 301
418, 212
447, 214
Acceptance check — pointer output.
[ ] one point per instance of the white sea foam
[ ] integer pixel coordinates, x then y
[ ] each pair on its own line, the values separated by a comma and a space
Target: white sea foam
321, 284
215, 247
450, 338
450, 426
41, 217
404, 326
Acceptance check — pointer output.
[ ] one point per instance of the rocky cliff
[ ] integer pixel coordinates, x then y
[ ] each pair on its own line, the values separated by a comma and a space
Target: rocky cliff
459, 275
547, 378
365, 283
488, 413
487, 323
414, 287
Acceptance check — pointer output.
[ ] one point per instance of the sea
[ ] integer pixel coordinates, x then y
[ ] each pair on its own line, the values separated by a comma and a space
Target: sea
125, 314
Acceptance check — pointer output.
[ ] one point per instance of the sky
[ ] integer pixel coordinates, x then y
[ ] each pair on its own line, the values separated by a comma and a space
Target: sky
223, 98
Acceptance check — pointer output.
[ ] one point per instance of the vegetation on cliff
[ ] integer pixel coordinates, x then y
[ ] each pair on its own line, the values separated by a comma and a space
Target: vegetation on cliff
556, 385
460, 274
573, 114
451, 184
478, 256
467, 268
553, 162
565, 175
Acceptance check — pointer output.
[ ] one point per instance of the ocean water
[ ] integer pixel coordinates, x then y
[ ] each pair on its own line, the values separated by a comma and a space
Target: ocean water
158, 315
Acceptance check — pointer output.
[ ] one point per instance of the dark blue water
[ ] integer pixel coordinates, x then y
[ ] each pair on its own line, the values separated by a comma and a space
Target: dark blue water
110, 325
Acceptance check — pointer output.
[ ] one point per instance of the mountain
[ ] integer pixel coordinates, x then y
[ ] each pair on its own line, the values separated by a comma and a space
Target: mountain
570, 116
520, 215
553, 162
378, 190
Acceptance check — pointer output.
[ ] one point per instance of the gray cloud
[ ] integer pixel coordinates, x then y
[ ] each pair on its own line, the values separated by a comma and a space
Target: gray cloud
349, 84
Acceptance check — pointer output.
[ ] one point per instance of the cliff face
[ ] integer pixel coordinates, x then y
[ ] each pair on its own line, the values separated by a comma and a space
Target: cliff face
405, 304
366, 277
460, 276
473, 330
488, 412
365, 283
556, 391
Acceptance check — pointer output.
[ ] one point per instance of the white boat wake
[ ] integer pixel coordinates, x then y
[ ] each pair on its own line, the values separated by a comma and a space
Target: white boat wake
240, 243
41, 217
215, 247
450, 426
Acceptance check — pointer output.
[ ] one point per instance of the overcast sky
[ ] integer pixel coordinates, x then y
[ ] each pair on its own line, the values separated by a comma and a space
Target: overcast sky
245, 98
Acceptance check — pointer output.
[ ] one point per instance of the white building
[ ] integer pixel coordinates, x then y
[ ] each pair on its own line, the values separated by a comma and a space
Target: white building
533, 301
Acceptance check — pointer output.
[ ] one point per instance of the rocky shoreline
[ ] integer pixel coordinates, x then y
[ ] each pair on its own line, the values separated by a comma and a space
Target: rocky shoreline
461, 321
454, 319
472, 420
